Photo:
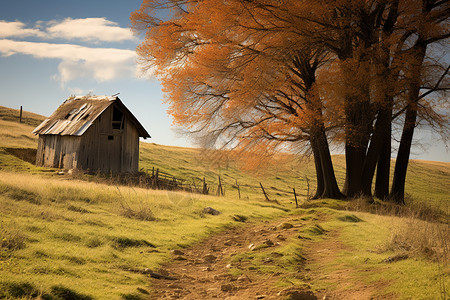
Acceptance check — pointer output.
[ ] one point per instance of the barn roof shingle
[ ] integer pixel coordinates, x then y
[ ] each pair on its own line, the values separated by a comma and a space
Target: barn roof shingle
77, 114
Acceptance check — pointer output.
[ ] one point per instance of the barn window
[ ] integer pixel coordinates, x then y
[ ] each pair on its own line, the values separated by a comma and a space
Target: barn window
117, 122
110, 137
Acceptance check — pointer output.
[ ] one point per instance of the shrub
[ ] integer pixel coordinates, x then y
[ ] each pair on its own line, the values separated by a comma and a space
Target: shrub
139, 212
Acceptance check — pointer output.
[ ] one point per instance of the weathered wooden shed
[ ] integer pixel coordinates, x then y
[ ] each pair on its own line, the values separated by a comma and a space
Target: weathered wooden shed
92, 133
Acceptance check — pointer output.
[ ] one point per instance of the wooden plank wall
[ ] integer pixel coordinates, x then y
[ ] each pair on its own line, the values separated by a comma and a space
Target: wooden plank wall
130, 148
57, 151
110, 150
101, 148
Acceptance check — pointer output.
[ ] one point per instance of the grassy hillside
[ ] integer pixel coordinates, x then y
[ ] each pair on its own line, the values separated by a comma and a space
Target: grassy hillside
60, 236
97, 239
28, 118
427, 181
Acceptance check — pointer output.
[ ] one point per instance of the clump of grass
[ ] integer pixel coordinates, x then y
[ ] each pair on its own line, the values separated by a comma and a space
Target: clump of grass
349, 218
413, 208
316, 230
360, 204
140, 211
78, 209
94, 242
418, 237
125, 242
75, 259
67, 237
11, 237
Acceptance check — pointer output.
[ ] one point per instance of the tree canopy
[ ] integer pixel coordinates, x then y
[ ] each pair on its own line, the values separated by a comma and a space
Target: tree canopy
263, 75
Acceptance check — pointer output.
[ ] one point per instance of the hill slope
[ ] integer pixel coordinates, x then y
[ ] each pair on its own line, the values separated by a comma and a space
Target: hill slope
427, 181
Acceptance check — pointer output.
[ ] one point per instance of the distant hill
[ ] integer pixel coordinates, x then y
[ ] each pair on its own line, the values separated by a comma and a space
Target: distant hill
29, 118
427, 181
14, 134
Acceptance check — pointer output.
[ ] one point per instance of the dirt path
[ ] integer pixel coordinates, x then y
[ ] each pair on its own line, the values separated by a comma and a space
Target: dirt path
342, 280
203, 271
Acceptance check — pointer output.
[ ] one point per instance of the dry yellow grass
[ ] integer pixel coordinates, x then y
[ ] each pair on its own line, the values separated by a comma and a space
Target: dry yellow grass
17, 135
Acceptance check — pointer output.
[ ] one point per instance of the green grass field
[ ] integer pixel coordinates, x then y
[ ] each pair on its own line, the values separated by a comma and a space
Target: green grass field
62, 237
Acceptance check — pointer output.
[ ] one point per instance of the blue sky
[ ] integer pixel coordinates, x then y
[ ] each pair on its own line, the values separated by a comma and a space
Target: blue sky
51, 49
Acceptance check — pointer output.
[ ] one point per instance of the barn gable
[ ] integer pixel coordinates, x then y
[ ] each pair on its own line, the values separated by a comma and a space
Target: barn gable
95, 133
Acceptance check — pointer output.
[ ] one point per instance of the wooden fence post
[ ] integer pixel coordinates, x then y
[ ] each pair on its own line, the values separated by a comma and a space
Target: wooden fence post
220, 188
20, 116
239, 190
295, 196
265, 195
205, 187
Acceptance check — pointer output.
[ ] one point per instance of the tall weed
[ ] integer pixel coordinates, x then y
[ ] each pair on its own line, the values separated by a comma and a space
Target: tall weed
428, 239
421, 230
137, 209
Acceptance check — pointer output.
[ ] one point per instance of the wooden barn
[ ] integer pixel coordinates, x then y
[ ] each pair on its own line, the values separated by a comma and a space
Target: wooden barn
92, 133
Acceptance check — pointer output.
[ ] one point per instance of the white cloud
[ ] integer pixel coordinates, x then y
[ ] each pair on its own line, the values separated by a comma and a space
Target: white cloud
89, 29
16, 29
77, 61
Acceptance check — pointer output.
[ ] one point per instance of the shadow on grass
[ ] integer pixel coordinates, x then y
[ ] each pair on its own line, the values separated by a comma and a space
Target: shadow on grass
27, 290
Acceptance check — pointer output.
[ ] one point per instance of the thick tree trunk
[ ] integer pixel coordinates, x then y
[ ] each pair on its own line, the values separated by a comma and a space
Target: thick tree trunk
326, 180
318, 166
401, 165
354, 160
331, 189
384, 167
358, 129
377, 144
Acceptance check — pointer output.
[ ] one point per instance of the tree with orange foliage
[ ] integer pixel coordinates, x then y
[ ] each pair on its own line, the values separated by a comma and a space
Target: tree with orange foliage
259, 74
235, 77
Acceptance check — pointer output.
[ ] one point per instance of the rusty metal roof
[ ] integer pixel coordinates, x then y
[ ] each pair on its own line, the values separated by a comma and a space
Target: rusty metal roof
77, 114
